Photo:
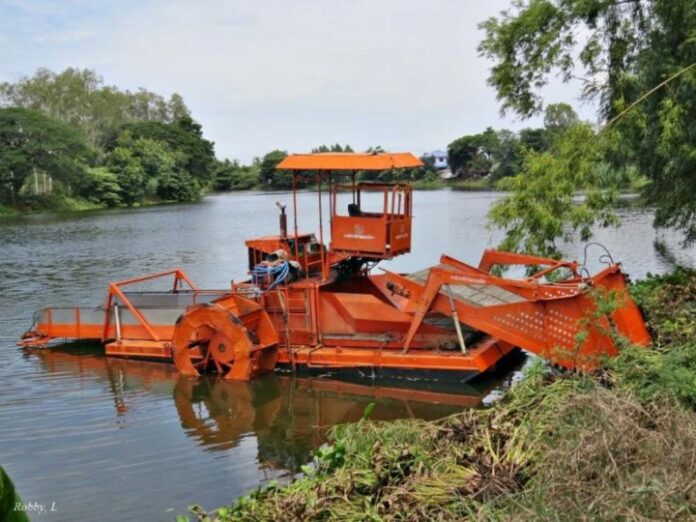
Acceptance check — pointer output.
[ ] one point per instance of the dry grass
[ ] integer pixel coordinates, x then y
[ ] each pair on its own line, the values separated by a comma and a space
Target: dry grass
612, 458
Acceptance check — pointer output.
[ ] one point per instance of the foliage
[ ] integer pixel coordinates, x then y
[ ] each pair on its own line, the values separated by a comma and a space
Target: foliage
183, 136
7, 211
71, 142
332, 148
471, 156
639, 62
102, 186
535, 140
553, 448
507, 156
9, 499
79, 98
543, 207
669, 304
148, 169
500, 153
230, 175
559, 117
176, 185
474, 184
268, 173
31, 142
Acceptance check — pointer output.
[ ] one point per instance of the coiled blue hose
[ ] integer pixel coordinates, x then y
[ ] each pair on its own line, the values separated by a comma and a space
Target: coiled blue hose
278, 273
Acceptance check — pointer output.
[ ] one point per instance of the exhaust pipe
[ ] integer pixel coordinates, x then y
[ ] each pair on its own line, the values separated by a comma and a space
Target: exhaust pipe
283, 220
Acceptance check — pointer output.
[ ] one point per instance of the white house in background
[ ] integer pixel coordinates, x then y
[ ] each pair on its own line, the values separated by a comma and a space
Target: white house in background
439, 158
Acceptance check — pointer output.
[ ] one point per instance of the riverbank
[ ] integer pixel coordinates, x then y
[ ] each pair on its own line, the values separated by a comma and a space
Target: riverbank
59, 204
556, 447
63, 203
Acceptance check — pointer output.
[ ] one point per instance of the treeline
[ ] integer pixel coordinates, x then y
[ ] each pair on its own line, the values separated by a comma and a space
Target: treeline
262, 173
67, 137
476, 160
500, 153
69, 140
496, 154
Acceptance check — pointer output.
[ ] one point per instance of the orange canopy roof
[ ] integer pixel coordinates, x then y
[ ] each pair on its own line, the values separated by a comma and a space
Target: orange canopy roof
350, 161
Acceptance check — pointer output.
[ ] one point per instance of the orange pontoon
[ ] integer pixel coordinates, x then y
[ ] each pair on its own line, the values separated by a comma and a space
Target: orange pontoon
309, 305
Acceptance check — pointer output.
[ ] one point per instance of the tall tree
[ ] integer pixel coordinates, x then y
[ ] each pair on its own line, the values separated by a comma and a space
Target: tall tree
32, 143
230, 175
558, 117
542, 207
507, 156
268, 173
150, 169
472, 155
637, 59
183, 136
80, 98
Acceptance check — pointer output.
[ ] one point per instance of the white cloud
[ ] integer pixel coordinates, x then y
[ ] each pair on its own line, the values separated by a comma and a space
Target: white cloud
276, 74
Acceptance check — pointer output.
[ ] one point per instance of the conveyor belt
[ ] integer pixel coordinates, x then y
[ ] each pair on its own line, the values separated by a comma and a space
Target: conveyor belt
472, 294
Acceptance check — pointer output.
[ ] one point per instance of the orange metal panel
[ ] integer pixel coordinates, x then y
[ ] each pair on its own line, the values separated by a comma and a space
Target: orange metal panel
359, 234
140, 348
400, 235
480, 358
350, 161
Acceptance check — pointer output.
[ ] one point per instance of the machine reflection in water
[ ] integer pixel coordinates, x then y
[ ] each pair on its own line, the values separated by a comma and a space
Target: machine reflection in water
288, 415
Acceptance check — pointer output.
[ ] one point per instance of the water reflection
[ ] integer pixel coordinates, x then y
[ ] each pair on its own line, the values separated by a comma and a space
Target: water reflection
288, 415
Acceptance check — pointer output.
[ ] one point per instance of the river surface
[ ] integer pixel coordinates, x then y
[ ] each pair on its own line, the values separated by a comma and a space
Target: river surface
106, 439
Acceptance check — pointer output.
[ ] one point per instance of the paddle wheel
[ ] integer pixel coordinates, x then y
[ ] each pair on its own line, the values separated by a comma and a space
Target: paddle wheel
309, 305
233, 337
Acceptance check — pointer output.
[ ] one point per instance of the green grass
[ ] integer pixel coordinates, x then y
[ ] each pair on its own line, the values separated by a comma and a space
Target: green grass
559, 446
8, 211
434, 184
52, 203
64, 203
474, 184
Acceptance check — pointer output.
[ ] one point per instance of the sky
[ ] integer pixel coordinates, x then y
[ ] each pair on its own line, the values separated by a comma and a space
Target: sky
277, 74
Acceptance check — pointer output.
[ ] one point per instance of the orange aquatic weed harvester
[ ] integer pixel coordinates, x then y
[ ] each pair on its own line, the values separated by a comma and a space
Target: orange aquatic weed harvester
312, 305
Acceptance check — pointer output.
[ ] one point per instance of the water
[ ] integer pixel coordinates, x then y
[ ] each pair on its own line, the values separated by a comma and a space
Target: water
107, 439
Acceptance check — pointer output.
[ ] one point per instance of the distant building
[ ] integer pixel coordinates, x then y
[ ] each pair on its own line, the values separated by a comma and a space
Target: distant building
439, 158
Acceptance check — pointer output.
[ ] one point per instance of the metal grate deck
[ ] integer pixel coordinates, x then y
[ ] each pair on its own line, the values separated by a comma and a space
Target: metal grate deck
472, 294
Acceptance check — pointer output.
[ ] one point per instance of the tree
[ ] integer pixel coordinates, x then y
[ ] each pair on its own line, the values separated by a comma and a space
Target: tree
100, 185
507, 156
542, 207
149, 169
332, 148
268, 173
130, 175
230, 175
638, 61
472, 155
79, 98
535, 139
558, 117
31, 142
184, 137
